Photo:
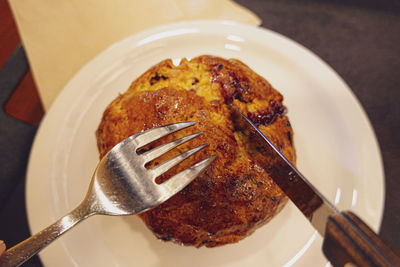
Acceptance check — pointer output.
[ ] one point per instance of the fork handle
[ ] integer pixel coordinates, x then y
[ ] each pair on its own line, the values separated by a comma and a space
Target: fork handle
23, 251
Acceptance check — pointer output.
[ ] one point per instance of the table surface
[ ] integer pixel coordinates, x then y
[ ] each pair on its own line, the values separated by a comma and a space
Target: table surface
359, 39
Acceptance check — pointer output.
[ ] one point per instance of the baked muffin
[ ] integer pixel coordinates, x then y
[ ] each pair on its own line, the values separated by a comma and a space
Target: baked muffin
234, 196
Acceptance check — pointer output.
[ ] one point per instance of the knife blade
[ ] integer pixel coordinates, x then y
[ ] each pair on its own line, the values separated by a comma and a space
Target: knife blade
346, 237
315, 207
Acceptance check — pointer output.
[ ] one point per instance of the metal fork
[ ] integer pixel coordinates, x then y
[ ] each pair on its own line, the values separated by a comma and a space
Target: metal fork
121, 185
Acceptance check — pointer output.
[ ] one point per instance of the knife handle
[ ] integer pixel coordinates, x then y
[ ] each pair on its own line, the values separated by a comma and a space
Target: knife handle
349, 240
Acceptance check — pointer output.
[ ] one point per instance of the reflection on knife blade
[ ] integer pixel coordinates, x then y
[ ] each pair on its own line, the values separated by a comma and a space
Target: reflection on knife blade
310, 202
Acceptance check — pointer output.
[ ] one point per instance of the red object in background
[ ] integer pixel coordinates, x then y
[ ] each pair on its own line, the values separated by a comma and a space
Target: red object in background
24, 104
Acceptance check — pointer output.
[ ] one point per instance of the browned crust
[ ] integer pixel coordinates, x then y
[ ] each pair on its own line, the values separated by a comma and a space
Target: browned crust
234, 196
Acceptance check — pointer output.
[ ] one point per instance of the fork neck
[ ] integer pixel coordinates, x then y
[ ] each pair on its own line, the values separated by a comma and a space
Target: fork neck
77, 215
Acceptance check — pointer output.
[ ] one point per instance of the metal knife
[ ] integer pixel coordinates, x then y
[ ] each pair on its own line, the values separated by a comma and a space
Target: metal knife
347, 239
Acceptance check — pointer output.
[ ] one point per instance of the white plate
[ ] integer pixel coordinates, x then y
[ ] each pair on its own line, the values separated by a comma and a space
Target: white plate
336, 149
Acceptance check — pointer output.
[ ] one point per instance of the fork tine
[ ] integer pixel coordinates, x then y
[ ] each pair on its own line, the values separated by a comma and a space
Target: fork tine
182, 179
151, 135
165, 166
158, 151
